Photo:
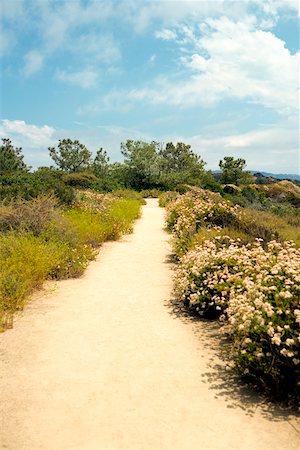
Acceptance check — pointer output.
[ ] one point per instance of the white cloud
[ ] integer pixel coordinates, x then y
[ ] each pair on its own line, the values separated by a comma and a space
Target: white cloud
27, 134
170, 13
166, 35
269, 148
229, 60
65, 27
11, 16
67, 19
33, 62
86, 78
33, 139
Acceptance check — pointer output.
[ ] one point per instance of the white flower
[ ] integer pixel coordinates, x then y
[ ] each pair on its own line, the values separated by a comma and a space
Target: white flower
276, 339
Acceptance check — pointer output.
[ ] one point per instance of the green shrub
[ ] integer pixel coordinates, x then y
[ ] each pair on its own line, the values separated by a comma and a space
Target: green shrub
81, 179
150, 193
88, 226
27, 186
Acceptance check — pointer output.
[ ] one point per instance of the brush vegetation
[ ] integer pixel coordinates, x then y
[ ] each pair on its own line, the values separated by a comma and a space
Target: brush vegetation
40, 240
241, 266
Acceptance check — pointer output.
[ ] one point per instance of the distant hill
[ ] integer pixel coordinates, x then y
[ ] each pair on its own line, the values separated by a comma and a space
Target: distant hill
279, 176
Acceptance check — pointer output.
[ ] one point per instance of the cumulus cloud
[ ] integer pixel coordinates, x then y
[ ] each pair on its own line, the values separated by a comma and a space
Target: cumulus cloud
33, 139
86, 78
27, 134
228, 60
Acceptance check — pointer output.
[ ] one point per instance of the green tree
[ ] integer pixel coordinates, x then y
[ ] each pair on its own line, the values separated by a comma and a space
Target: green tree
71, 156
101, 163
11, 158
233, 170
142, 161
179, 164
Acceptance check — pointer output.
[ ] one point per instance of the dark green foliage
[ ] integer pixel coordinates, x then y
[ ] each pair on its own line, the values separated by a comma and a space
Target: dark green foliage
233, 170
26, 186
180, 158
81, 179
209, 182
142, 163
179, 164
71, 156
100, 164
150, 166
11, 158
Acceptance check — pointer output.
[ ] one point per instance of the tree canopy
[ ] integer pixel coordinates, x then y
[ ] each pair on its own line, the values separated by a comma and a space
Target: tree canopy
11, 158
179, 164
153, 165
71, 156
232, 170
100, 163
141, 160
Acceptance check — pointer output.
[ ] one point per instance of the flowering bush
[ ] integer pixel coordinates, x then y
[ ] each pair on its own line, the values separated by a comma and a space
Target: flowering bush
206, 274
255, 291
200, 209
197, 209
264, 320
252, 286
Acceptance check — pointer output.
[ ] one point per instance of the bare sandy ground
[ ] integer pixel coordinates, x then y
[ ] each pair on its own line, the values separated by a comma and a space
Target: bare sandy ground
103, 363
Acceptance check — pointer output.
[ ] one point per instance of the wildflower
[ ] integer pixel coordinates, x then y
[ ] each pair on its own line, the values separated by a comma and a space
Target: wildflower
276, 339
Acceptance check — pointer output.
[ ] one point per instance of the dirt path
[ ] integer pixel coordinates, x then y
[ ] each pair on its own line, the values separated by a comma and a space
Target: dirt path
100, 363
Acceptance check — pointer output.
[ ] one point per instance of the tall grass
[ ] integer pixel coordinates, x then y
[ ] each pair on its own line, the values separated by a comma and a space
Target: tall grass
25, 262
39, 243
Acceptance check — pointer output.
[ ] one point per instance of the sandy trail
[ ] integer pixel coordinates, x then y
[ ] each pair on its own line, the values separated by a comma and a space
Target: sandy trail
99, 363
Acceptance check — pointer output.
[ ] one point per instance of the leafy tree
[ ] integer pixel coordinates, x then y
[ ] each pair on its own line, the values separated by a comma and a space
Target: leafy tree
101, 163
118, 175
71, 156
233, 170
11, 158
142, 161
179, 164
179, 158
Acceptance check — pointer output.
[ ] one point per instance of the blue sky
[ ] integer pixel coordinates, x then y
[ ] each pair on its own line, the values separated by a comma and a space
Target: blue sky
220, 75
